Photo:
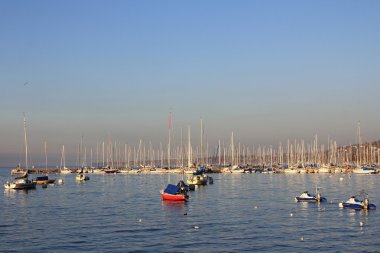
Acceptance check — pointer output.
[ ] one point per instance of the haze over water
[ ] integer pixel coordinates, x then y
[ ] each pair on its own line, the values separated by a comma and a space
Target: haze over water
269, 71
92, 72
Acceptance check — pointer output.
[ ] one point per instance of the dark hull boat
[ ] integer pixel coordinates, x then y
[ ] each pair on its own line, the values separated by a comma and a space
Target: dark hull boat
20, 183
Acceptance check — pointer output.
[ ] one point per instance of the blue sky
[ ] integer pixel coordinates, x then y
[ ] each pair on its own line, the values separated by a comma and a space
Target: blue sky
267, 70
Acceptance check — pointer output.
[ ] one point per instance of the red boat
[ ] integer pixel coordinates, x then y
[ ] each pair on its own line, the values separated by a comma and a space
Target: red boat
174, 193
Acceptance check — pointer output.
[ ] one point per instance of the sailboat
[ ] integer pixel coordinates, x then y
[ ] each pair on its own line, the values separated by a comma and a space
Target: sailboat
63, 168
22, 182
44, 179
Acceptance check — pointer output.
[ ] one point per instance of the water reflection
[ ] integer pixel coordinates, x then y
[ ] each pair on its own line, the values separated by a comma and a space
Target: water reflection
13, 192
238, 213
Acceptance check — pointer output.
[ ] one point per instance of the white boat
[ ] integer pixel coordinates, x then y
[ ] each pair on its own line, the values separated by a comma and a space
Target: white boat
291, 170
22, 182
63, 168
306, 197
324, 169
236, 169
363, 170
198, 178
82, 177
354, 203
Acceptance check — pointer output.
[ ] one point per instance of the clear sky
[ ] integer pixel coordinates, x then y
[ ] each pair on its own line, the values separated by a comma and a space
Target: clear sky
113, 70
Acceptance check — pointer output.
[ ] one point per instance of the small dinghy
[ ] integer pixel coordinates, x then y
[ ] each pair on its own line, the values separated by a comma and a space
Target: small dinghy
306, 197
354, 203
44, 180
174, 193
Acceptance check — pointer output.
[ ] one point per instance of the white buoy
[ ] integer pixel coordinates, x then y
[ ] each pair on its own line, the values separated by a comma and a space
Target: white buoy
196, 227
361, 224
341, 178
60, 181
255, 207
302, 238
140, 220
291, 214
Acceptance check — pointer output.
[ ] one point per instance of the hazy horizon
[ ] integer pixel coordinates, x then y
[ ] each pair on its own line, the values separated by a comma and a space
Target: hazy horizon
112, 71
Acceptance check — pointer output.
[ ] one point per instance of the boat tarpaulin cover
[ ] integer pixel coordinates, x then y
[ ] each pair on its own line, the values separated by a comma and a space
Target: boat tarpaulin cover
42, 178
199, 172
171, 189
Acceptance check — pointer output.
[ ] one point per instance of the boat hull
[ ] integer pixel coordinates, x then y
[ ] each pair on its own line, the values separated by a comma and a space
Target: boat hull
48, 181
20, 186
357, 206
299, 199
174, 197
44, 180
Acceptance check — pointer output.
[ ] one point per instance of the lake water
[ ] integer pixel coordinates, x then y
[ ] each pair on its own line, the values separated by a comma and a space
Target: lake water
242, 212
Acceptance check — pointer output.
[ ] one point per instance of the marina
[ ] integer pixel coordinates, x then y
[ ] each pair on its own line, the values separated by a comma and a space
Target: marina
190, 126
239, 212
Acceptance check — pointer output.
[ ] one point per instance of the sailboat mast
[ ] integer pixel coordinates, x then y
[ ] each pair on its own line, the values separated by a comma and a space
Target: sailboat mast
45, 157
189, 148
170, 127
201, 157
64, 157
232, 149
26, 145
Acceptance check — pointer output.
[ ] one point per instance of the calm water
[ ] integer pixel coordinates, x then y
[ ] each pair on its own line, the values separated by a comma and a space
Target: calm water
247, 212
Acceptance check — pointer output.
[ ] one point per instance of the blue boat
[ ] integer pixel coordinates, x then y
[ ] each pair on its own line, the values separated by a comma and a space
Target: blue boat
306, 197
354, 203
44, 180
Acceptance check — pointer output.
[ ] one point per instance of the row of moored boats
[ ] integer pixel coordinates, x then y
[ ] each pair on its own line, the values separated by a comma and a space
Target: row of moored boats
352, 202
180, 191
24, 183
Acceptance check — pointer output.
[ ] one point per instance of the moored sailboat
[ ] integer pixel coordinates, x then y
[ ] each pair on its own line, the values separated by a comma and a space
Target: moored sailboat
22, 182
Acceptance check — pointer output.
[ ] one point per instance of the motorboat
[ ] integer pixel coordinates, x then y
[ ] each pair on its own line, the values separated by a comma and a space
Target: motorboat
20, 183
364, 170
236, 169
186, 187
82, 177
198, 178
174, 193
307, 197
354, 203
